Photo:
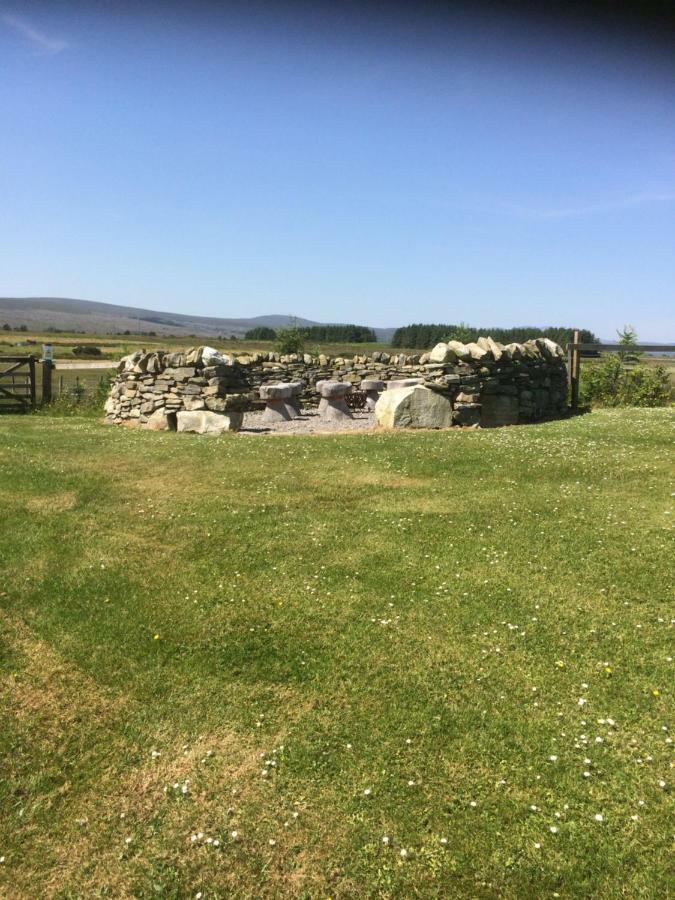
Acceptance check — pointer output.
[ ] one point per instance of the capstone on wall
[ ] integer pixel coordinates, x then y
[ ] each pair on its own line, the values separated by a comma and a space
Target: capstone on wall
487, 383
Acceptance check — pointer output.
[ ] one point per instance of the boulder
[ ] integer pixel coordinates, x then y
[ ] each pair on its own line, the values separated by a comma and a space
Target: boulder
495, 348
477, 352
513, 351
413, 407
442, 353
460, 350
174, 360
554, 350
207, 422
212, 357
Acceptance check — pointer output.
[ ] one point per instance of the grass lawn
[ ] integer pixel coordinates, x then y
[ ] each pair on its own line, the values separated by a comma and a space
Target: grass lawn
370, 665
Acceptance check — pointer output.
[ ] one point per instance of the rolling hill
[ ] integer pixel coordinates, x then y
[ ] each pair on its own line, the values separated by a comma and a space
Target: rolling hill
66, 314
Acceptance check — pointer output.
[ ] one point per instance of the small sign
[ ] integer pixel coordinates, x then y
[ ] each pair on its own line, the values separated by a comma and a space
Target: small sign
48, 352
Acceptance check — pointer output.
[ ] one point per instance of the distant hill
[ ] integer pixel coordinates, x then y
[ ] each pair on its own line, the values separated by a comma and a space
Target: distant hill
67, 314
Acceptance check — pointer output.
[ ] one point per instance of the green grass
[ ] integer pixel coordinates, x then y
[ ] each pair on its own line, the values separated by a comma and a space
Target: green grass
345, 613
114, 346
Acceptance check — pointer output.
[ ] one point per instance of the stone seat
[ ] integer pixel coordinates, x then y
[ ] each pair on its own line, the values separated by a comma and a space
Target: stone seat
372, 389
293, 403
277, 397
333, 405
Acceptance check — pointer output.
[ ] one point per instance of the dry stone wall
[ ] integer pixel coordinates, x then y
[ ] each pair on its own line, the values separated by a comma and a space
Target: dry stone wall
487, 383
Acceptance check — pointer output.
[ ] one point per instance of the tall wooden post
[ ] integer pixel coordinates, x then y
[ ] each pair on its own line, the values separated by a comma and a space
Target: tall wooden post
575, 369
47, 380
31, 369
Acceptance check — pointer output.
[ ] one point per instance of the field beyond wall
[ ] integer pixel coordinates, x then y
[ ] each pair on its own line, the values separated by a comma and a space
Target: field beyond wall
370, 665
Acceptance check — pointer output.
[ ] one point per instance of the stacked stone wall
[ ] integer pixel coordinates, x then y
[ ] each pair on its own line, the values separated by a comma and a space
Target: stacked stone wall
487, 383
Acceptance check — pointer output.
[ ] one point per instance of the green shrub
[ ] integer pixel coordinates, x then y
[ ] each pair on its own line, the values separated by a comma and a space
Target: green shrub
611, 383
290, 340
78, 401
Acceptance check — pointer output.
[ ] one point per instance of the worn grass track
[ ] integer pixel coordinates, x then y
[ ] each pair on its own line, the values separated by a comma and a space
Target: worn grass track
319, 643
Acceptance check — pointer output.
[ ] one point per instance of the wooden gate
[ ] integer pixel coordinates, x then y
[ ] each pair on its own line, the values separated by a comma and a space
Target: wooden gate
17, 383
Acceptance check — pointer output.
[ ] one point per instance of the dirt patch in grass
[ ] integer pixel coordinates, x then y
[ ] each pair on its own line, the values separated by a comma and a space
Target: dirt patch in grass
210, 786
50, 694
52, 503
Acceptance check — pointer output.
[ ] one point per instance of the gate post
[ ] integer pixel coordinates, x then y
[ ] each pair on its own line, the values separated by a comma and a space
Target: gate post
47, 366
31, 369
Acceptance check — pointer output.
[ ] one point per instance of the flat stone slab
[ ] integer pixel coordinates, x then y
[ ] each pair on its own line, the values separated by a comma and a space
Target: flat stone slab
207, 422
275, 391
372, 384
333, 389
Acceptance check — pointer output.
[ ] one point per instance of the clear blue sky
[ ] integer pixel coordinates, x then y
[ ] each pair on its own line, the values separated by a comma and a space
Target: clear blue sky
338, 166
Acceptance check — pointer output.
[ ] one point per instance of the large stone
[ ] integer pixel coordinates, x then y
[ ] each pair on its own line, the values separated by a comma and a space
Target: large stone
207, 422
442, 353
554, 350
499, 409
495, 348
192, 403
477, 352
413, 407
460, 350
159, 421
212, 357
514, 351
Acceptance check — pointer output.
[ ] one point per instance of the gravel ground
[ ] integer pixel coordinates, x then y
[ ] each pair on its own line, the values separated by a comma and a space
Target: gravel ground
308, 423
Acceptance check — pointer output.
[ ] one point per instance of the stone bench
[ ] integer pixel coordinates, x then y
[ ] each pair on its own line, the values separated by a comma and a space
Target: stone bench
277, 398
372, 389
333, 405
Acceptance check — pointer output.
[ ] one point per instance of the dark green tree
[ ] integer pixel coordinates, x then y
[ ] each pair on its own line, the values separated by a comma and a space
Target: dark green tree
261, 333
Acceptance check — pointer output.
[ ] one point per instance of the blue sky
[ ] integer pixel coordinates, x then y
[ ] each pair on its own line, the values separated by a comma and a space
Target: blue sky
338, 166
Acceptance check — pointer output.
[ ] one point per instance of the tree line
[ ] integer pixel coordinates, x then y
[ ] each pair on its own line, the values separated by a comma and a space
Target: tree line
352, 334
424, 337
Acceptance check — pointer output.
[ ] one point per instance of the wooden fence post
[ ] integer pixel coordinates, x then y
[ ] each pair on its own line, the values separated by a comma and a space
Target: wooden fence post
576, 368
31, 369
46, 381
